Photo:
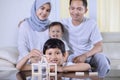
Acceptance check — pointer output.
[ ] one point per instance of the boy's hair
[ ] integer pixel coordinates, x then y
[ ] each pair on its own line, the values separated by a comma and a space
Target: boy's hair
57, 23
84, 2
54, 43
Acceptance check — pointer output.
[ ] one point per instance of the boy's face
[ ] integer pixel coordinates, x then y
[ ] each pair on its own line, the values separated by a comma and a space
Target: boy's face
77, 10
55, 32
54, 55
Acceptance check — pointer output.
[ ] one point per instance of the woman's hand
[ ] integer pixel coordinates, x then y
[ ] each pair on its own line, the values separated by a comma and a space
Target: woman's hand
35, 56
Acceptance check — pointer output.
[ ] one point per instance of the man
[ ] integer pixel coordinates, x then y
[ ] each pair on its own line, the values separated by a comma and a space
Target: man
84, 38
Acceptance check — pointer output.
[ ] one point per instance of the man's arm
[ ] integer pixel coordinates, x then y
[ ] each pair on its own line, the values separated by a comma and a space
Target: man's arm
96, 49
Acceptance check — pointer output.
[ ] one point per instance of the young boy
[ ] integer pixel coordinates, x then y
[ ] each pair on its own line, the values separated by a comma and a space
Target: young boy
56, 30
54, 49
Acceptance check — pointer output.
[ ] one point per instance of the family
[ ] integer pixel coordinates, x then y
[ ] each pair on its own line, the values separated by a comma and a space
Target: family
75, 42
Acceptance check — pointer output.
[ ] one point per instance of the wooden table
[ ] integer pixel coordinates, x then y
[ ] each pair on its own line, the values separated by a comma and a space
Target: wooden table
61, 76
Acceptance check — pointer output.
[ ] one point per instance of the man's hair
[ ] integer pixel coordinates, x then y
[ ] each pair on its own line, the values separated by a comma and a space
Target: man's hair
54, 43
84, 2
57, 23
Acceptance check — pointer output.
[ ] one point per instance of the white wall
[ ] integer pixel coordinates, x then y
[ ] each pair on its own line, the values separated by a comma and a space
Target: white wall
11, 12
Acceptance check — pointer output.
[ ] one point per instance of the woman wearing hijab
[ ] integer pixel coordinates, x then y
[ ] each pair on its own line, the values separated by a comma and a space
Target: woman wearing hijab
33, 33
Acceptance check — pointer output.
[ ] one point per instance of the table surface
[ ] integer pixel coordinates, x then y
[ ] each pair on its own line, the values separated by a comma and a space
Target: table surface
26, 75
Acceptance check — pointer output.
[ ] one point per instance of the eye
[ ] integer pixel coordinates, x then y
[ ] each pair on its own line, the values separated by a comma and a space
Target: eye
53, 31
58, 31
80, 9
58, 53
49, 53
48, 10
42, 8
72, 8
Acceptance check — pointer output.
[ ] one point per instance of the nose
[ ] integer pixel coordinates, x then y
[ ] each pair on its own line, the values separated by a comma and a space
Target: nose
45, 12
54, 56
75, 11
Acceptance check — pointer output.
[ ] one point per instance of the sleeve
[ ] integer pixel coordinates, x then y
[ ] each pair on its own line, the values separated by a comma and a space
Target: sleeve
22, 41
66, 46
95, 34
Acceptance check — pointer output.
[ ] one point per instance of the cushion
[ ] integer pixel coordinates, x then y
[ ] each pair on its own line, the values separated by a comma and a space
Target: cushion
112, 50
9, 53
5, 65
110, 37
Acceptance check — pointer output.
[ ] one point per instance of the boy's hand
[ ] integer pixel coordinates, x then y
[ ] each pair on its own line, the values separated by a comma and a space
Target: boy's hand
60, 68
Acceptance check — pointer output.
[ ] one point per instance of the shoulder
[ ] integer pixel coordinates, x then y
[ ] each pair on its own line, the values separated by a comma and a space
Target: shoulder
24, 25
89, 21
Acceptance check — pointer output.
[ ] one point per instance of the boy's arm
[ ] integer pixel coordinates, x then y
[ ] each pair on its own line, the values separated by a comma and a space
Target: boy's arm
75, 67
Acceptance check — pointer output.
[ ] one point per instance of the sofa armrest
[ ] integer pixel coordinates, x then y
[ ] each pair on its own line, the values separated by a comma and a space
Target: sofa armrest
9, 53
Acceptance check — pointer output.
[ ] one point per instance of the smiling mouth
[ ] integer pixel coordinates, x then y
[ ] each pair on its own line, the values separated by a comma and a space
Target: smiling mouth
54, 61
55, 36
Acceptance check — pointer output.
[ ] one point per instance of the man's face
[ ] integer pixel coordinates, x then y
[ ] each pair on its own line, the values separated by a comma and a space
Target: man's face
77, 10
54, 55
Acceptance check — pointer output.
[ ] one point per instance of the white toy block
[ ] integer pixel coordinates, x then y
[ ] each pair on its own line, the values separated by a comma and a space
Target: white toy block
36, 71
93, 73
55, 71
42, 71
79, 73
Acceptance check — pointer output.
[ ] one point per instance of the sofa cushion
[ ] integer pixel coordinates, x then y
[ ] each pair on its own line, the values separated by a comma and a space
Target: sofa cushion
111, 37
9, 53
6, 65
111, 44
112, 50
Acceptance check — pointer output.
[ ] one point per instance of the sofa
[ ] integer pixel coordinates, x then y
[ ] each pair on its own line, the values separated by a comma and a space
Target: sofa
111, 48
8, 58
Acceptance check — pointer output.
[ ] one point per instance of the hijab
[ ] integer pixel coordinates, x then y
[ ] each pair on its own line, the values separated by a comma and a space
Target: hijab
35, 23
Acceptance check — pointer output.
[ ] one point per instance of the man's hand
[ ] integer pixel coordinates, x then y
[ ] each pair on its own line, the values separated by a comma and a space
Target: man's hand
80, 58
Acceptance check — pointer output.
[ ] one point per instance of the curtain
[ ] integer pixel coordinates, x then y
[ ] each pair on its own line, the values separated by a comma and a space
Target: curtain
64, 9
108, 15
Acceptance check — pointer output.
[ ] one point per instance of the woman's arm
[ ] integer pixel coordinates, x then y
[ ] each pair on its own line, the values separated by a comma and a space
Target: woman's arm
22, 64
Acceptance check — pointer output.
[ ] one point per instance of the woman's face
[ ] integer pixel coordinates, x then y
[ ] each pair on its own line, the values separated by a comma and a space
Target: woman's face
44, 11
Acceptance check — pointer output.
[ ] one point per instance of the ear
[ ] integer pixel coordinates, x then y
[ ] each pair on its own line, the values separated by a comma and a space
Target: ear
86, 9
64, 54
